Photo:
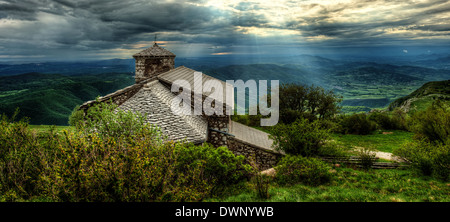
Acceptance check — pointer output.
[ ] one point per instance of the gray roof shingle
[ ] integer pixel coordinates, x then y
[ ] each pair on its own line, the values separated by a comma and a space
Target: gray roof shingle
154, 100
154, 51
184, 73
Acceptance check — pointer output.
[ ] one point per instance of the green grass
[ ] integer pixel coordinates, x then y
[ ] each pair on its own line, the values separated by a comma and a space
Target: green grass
423, 103
351, 185
377, 140
44, 128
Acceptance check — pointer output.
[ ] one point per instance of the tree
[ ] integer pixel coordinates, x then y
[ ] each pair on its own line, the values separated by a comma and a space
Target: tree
311, 102
301, 137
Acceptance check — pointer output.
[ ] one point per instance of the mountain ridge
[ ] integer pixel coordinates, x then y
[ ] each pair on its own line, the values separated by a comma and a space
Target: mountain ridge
423, 96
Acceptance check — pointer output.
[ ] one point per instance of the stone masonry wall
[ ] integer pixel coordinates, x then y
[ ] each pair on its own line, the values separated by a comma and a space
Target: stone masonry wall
218, 123
147, 67
215, 122
264, 158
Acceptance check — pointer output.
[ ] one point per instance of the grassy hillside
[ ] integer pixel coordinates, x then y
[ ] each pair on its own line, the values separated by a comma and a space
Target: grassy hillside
50, 98
424, 96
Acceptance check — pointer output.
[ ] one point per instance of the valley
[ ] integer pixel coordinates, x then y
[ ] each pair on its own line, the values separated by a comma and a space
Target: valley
48, 92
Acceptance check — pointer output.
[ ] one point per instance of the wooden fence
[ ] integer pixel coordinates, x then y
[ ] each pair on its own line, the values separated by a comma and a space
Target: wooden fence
358, 162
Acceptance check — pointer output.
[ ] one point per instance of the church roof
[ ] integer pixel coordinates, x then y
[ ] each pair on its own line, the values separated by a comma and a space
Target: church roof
154, 101
155, 51
153, 98
184, 73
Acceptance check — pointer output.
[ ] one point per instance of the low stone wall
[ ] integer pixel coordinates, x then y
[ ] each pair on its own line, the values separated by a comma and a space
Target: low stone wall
264, 158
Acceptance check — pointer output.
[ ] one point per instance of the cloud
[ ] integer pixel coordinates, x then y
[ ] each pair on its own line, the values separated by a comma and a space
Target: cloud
222, 53
88, 27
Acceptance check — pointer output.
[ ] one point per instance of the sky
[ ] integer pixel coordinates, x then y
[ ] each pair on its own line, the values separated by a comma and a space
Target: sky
46, 30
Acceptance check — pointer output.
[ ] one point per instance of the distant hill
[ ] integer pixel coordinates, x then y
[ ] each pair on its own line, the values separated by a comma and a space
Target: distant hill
50, 98
49, 91
285, 74
421, 98
365, 85
70, 68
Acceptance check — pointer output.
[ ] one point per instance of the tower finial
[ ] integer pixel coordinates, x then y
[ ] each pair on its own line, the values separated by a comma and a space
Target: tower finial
155, 39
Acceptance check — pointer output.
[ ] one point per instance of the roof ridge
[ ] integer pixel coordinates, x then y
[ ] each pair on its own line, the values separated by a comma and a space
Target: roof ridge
155, 51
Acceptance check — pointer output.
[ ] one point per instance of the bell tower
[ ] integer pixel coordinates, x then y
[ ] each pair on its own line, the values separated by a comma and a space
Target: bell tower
153, 61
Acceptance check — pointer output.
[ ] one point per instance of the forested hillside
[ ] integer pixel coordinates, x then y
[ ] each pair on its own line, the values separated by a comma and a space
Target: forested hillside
50, 98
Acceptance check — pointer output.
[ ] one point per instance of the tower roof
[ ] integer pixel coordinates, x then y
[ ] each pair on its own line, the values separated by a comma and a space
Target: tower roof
155, 51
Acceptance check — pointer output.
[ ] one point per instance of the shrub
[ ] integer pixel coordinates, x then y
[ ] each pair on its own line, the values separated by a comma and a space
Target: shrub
301, 137
262, 185
107, 119
429, 152
297, 169
20, 163
221, 168
429, 159
389, 121
432, 124
367, 157
382, 119
357, 124
84, 165
90, 168
400, 119
76, 117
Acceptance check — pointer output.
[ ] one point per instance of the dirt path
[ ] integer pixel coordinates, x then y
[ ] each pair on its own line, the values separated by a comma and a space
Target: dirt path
384, 155
387, 156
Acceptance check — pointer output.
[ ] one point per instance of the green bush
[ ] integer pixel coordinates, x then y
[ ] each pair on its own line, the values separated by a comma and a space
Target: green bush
90, 168
429, 152
432, 124
86, 165
301, 137
107, 119
395, 120
367, 157
297, 169
356, 124
400, 119
429, 159
221, 166
382, 119
20, 163
76, 117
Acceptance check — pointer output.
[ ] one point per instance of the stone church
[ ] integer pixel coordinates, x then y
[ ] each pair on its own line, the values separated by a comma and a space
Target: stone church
151, 95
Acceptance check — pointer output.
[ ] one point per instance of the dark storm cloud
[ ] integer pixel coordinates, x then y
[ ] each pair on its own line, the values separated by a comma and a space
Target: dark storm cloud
85, 24
30, 27
248, 19
18, 10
